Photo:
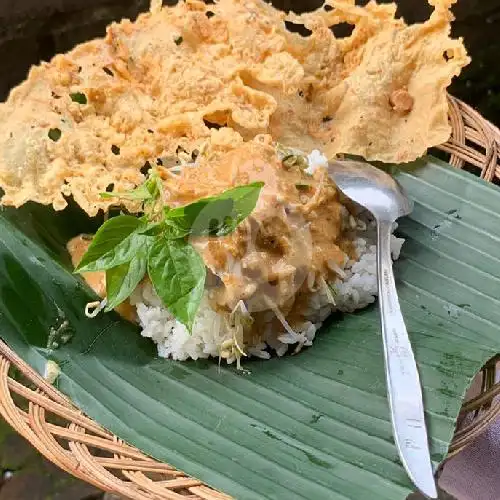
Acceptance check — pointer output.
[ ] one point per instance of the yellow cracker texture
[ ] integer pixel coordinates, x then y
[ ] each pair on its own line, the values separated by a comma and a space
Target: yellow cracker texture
168, 78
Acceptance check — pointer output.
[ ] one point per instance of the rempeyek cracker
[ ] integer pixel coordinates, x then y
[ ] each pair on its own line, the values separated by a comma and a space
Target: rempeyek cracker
198, 76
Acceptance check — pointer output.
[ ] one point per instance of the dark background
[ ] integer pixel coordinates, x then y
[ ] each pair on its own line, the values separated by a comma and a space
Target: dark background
34, 30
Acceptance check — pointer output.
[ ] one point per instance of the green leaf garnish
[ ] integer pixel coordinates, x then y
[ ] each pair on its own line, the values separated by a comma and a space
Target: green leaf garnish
124, 252
216, 215
122, 280
153, 229
55, 134
109, 235
178, 40
202, 218
79, 97
128, 247
177, 273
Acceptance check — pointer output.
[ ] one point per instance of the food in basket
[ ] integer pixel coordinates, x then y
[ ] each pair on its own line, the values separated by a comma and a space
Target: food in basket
211, 125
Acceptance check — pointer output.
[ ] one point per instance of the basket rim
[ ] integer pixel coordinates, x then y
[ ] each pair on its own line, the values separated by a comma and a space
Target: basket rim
474, 144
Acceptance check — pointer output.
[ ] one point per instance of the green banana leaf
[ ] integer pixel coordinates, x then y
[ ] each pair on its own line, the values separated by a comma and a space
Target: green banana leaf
314, 425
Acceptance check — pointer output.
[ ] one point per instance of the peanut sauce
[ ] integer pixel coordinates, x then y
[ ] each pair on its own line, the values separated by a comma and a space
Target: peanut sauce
295, 238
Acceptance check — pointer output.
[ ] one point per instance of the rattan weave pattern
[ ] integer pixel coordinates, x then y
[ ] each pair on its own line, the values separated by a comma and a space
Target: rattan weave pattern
58, 430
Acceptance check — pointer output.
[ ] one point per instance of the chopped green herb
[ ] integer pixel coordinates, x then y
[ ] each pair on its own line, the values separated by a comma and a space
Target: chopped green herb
293, 160
289, 161
79, 98
55, 134
108, 71
115, 149
178, 40
303, 187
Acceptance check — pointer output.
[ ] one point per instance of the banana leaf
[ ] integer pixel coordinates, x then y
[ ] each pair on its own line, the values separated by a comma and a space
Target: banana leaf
314, 425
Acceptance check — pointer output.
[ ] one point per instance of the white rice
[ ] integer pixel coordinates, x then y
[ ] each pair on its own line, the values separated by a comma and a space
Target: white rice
356, 289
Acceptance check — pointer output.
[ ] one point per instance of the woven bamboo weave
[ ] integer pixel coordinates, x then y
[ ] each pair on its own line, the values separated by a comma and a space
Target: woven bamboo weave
69, 439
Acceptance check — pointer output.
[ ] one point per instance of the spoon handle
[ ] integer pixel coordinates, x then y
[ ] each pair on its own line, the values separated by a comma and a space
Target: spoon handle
403, 381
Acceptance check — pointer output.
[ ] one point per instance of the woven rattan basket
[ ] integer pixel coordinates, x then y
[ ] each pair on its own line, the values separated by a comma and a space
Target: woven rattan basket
75, 443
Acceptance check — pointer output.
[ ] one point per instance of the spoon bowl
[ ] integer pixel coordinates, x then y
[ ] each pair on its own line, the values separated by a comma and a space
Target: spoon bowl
371, 188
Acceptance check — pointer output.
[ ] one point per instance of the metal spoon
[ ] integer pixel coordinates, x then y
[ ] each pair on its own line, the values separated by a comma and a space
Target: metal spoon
386, 200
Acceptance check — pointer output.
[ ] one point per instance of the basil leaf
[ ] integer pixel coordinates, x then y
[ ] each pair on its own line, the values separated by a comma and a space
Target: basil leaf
152, 229
124, 252
109, 235
205, 217
218, 218
245, 198
174, 230
164, 228
122, 280
216, 215
178, 275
